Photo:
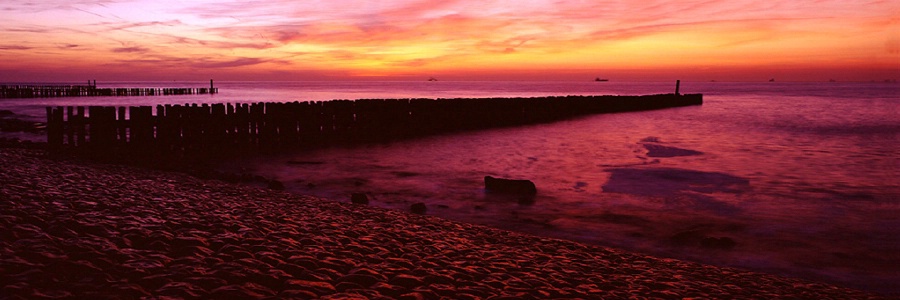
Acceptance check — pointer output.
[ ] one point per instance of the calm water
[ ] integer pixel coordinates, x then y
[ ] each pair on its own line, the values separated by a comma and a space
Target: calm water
802, 176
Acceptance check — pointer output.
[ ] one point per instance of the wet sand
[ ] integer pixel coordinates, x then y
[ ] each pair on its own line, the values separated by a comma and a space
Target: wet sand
78, 229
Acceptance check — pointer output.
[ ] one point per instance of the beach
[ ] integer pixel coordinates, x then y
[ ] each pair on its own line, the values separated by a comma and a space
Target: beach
74, 229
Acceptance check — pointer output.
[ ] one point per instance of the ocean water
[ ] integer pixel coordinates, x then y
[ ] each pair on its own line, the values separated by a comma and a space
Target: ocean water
802, 177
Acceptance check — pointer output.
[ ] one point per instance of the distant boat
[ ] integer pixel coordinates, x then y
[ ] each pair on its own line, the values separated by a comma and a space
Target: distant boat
772, 80
600, 79
432, 79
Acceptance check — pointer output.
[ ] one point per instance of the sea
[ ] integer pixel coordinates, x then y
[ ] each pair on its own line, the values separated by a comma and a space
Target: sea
798, 179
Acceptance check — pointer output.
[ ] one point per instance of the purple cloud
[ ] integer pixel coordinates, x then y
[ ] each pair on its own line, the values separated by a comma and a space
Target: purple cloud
134, 49
14, 47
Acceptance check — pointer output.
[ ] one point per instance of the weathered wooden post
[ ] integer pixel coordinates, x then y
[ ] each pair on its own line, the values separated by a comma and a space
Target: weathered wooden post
70, 130
243, 123
141, 129
161, 124
124, 132
256, 123
677, 87
217, 128
79, 126
55, 129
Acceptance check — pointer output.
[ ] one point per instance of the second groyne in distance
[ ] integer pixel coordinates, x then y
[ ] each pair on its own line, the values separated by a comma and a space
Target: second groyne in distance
91, 90
219, 130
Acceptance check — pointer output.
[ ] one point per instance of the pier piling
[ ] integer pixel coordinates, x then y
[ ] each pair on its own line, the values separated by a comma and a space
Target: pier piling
218, 130
91, 90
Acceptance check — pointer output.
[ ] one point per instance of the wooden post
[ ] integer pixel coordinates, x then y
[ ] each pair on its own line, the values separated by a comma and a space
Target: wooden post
79, 126
70, 130
242, 125
217, 128
54, 129
160, 123
256, 123
141, 127
677, 87
124, 132
228, 125
93, 126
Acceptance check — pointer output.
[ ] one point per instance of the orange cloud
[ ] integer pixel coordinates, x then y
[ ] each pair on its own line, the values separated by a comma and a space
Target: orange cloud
554, 39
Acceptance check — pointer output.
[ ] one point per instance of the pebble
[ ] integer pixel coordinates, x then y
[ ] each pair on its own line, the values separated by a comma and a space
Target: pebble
82, 230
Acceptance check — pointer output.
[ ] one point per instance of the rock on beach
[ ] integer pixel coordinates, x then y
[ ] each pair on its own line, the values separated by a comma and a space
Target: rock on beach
85, 230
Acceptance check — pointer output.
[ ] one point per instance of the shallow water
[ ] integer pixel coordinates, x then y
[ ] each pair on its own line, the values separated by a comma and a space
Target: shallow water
801, 176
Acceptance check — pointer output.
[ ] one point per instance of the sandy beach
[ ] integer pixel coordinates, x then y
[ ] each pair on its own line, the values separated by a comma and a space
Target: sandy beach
87, 230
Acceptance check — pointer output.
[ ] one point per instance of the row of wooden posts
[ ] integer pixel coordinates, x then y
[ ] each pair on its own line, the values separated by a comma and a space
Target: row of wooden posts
191, 131
91, 90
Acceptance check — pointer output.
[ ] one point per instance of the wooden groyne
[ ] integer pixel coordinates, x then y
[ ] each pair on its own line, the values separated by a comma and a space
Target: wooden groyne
90, 90
203, 131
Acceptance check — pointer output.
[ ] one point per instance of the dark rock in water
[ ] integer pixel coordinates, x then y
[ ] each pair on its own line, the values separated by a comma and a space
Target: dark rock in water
418, 208
5, 113
276, 185
509, 186
402, 174
17, 125
359, 198
303, 162
654, 150
717, 243
668, 181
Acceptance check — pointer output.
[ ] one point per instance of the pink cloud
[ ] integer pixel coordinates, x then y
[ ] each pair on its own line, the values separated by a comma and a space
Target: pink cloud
14, 47
421, 33
134, 49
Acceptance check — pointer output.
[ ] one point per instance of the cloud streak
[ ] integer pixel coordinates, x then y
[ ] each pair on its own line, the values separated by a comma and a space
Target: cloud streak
14, 47
130, 50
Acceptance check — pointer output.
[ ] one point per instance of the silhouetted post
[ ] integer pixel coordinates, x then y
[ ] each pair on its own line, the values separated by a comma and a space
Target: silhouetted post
210, 86
55, 127
217, 126
124, 128
677, 87
79, 126
70, 130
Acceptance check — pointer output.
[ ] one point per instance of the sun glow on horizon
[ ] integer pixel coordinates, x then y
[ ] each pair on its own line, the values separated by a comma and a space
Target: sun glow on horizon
286, 40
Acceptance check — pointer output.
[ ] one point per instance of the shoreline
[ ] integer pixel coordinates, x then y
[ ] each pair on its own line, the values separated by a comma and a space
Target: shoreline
390, 188
82, 229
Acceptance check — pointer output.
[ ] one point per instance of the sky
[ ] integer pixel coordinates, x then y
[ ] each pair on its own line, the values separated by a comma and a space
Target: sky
723, 40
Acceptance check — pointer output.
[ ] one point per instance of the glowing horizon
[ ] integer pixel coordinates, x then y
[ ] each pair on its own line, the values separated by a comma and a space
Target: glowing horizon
806, 40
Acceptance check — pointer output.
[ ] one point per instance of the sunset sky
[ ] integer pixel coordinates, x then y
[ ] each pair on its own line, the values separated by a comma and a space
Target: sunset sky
726, 40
